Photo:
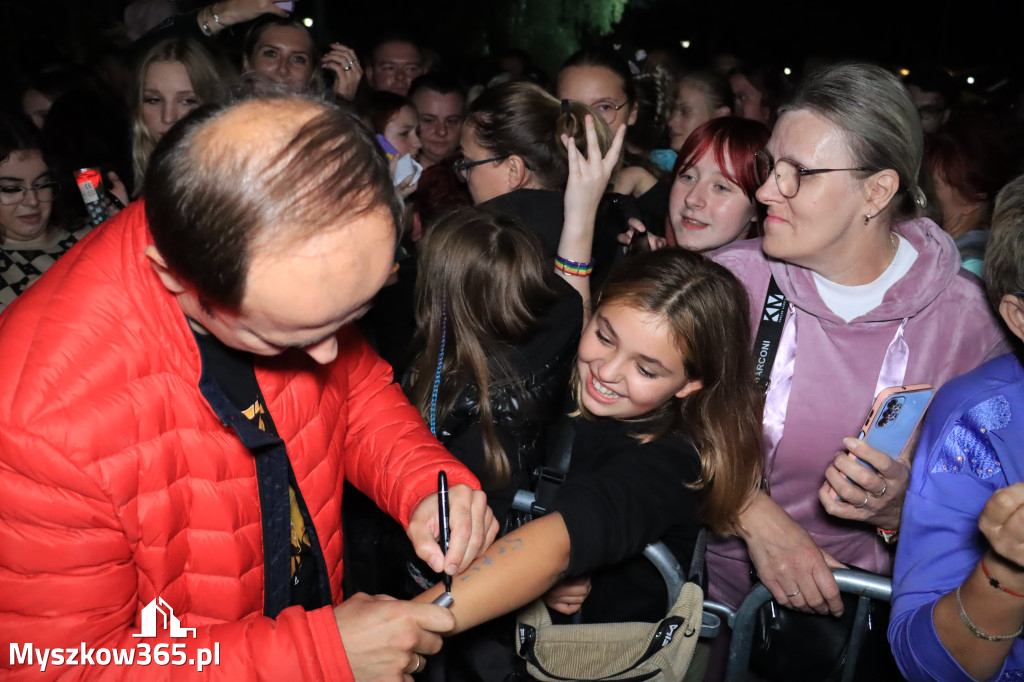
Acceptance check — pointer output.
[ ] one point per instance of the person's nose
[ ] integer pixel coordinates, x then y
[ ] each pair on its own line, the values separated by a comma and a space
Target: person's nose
696, 197
768, 192
30, 197
167, 113
324, 351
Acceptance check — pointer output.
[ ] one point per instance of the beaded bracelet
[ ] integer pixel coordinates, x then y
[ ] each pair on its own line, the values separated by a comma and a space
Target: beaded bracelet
974, 629
573, 268
995, 583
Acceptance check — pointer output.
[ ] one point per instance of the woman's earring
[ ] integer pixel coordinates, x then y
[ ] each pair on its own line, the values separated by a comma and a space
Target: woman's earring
867, 218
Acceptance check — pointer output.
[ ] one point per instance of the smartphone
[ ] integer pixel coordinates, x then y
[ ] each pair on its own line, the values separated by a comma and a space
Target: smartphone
388, 148
894, 417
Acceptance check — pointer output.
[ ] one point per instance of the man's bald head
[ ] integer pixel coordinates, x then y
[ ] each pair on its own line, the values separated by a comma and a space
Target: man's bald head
258, 175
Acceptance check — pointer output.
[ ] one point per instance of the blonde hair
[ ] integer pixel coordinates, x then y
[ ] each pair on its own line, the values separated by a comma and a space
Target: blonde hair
210, 77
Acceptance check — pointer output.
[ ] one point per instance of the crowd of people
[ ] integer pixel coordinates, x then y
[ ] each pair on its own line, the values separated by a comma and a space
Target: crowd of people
333, 274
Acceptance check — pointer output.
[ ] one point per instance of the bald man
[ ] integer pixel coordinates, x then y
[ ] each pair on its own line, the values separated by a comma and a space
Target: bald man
181, 398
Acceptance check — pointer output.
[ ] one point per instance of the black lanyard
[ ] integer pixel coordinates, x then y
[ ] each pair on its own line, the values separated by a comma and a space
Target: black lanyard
769, 333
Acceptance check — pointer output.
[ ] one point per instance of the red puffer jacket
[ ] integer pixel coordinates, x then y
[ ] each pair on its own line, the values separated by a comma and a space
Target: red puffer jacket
119, 485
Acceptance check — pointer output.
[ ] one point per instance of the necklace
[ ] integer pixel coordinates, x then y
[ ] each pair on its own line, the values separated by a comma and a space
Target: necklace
895, 247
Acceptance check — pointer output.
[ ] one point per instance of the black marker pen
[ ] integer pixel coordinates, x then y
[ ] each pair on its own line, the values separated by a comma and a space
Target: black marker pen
443, 514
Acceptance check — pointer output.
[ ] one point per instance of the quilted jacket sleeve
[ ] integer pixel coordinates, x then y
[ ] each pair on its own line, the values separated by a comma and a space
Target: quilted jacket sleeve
390, 453
68, 581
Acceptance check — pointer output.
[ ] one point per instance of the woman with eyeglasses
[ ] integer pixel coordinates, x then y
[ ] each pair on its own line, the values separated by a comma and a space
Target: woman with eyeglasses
31, 238
876, 299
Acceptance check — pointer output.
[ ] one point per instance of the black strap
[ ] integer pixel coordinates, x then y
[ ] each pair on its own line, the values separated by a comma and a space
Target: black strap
769, 333
551, 476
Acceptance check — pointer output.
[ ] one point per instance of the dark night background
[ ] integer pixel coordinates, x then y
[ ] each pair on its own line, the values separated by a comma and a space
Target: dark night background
965, 37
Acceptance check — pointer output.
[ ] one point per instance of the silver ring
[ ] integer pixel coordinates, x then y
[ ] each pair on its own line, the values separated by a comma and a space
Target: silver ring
862, 504
885, 486
347, 68
795, 593
421, 663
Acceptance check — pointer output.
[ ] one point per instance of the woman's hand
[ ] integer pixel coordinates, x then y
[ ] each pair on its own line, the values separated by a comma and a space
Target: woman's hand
874, 497
233, 12
636, 226
787, 559
343, 62
567, 596
588, 176
1002, 523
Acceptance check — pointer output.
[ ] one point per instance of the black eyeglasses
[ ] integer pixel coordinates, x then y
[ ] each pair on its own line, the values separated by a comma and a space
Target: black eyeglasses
462, 166
788, 173
15, 194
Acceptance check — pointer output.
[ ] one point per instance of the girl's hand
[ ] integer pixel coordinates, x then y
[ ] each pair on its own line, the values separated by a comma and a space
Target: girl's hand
407, 186
635, 226
787, 559
874, 498
589, 177
343, 62
567, 597
117, 188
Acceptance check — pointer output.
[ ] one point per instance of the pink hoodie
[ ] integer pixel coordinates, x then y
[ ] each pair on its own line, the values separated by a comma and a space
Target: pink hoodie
950, 331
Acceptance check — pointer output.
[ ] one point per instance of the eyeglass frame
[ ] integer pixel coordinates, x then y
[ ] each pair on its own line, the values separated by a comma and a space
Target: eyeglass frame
801, 172
462, 167
615, 109
25, 190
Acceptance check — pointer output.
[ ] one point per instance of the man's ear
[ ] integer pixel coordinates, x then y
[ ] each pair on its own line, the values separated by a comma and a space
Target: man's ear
881, 187
1011, 309
518, 174
167, 277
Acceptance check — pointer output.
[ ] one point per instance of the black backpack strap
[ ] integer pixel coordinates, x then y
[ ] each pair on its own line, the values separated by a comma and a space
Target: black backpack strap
551, 476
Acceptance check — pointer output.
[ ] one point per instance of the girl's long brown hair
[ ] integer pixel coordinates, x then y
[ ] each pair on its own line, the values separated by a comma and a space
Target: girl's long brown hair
705, 308
487, 277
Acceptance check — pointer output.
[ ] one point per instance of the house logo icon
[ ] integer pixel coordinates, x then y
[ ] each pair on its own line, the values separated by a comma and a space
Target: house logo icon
170, 621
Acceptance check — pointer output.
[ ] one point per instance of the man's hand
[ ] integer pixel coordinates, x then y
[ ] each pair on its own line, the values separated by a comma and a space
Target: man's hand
473, 529
874, 498
787, 559
385, 639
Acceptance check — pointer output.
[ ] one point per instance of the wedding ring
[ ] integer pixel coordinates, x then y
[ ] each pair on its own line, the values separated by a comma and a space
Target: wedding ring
862, 504
885, 486
421, 663
347, 68
795, 593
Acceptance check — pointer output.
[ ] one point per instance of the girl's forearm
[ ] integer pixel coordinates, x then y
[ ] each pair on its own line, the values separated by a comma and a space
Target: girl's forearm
514, 571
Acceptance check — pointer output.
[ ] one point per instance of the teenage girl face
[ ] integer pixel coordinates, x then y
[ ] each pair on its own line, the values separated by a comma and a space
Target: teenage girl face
167, 95
28, 220
401, 132
628, 364
706, 209
599, 88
